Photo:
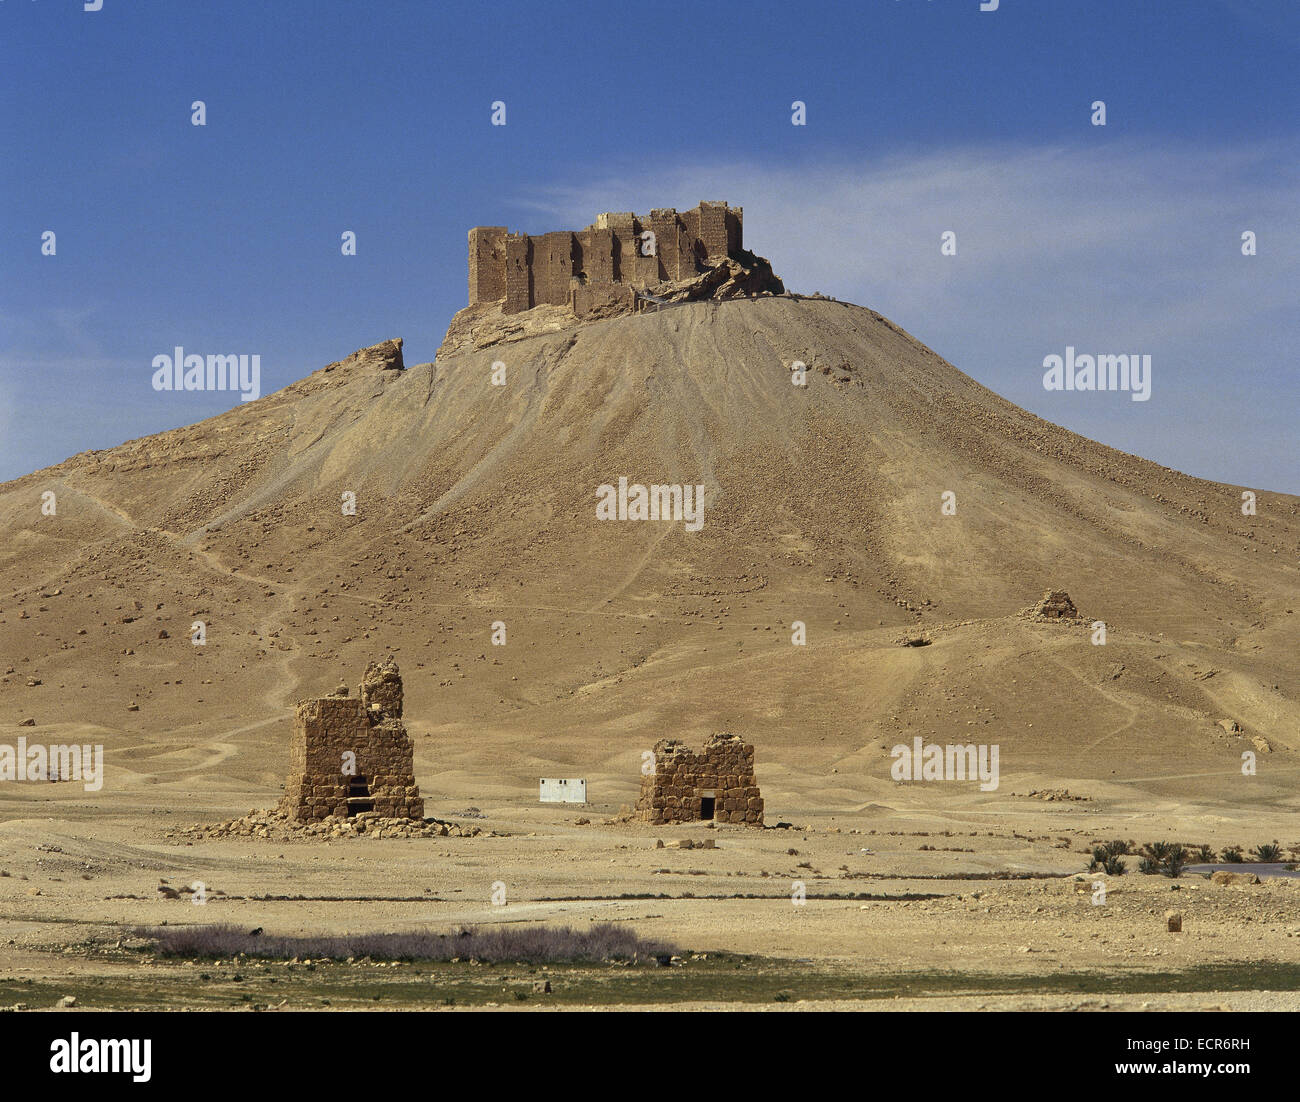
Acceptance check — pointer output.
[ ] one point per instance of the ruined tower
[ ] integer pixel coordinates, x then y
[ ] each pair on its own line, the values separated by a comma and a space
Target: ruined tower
352, 754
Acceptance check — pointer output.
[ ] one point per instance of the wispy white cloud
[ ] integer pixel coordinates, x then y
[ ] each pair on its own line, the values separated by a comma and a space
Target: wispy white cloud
1169, 219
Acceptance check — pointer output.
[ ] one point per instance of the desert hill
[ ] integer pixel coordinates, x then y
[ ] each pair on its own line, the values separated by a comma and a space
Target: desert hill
475, 503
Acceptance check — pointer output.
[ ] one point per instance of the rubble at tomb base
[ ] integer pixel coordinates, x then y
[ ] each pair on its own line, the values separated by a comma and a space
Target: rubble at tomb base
350, 755
716, 784
278, 826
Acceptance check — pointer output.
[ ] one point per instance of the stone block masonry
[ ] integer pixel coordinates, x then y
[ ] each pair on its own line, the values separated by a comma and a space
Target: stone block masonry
579, 268
517, 277
716, 784
352, 754
487, 262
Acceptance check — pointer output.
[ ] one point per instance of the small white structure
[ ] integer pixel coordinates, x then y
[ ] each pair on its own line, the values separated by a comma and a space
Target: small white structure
563, 792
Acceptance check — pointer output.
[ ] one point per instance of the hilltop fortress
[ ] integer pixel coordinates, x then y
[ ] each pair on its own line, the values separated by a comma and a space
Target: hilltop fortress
604, 261
622, 263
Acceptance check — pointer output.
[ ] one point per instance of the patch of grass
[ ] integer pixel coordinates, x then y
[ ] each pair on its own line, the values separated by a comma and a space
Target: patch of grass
602, 941
722, 978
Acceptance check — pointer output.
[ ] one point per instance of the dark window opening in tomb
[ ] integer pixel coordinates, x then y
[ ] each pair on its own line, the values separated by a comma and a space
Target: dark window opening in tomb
359, 796
706, 807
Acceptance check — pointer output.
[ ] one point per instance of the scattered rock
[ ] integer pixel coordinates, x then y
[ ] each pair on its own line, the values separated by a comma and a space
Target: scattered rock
384, 356
1223, 876
275, 824
1174, 922
1052, 795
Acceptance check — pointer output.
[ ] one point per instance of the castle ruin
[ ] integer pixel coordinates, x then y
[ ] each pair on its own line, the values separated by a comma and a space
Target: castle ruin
717, 784
603, 264
350, 755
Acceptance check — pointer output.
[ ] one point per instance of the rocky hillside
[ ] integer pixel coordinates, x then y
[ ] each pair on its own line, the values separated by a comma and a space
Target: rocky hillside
475, 499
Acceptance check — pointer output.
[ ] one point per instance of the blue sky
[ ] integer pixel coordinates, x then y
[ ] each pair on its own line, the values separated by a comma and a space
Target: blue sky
923, 116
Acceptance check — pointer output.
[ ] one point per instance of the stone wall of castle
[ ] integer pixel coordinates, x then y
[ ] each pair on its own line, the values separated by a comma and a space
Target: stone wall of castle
683, 780
329, 729
553, 268
487, 262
